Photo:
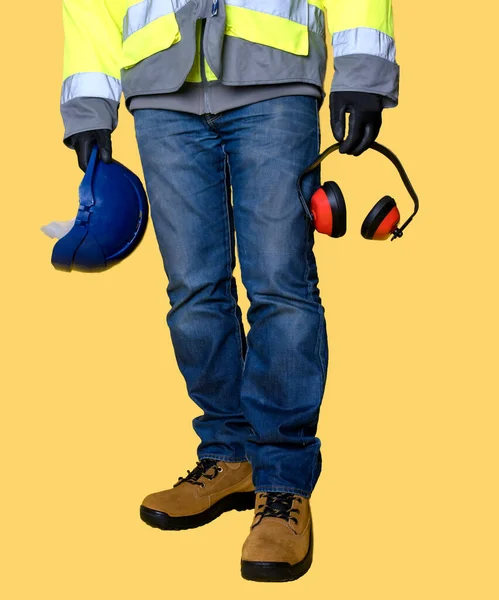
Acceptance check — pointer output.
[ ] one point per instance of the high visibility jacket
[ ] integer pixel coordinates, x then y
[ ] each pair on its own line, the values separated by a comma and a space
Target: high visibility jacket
139, 47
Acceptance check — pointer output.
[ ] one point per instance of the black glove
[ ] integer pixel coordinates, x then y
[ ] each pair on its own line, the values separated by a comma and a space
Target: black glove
364, 123
84, 142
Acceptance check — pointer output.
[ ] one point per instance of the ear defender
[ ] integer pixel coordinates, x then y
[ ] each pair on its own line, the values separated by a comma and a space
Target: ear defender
328, 208
382, 220
329, 211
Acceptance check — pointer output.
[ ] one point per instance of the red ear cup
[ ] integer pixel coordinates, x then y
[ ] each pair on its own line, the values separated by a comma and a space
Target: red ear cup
382, 220
329, 210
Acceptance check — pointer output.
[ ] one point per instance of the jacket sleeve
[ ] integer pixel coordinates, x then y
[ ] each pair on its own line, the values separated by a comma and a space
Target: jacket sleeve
364, 48
91, 88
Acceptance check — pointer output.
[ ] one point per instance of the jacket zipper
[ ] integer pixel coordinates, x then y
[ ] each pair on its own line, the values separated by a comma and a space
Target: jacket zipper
214, 13
203, 69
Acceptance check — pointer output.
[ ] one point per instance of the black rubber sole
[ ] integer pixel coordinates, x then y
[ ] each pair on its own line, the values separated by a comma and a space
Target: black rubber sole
160, 520
278, 571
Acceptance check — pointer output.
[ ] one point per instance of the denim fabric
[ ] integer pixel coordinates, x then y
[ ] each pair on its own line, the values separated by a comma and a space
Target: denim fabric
260, 393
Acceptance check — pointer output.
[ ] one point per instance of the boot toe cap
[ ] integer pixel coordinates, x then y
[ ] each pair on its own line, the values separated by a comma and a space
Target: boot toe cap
156, 501
271, 545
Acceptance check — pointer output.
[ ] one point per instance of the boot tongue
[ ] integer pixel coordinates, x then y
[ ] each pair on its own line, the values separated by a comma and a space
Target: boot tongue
201, 467
277, 505
280, 506
205, 465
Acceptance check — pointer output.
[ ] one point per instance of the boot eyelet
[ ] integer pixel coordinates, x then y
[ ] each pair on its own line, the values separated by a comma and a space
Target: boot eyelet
203, 484
219, 469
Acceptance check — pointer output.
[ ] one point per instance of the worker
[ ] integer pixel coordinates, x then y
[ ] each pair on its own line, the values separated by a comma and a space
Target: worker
225, 97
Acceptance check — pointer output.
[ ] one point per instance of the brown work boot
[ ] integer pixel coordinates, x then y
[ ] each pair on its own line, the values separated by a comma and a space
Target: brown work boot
212, 488
280, 544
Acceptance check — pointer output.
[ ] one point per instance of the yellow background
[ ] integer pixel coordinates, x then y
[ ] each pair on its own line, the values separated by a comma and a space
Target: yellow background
95, 413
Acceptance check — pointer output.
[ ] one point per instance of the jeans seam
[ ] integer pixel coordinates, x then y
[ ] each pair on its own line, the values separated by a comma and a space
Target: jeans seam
308, 228
309, 234
282, 488
322, 324
321, 341
230, 251
321, 308
224, 458
210, 119
307, 269
315, 469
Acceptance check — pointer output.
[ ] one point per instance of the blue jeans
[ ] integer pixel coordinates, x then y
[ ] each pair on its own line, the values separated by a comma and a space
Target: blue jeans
260, 394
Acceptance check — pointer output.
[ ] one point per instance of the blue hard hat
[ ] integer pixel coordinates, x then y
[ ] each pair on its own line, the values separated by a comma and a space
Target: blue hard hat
111, 220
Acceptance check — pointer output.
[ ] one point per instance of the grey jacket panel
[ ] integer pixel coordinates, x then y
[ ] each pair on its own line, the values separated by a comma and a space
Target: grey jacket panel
167, 70
204, 7
214, 40
234, 61
247, 63
367, 73
85, 114
191, 96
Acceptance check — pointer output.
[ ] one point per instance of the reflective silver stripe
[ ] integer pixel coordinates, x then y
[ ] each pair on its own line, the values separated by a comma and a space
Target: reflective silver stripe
316, 22
141, 14
178, 4
90, 84
293, 10
364, 40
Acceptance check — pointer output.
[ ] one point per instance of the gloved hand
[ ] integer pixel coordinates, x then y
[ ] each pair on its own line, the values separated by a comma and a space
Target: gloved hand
84, 142
364, 123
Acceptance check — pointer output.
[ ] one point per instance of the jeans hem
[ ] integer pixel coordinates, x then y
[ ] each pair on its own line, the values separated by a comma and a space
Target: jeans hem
224, 458
280, 488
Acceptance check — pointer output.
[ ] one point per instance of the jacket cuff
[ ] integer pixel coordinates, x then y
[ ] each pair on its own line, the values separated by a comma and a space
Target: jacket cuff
86, 113
367, 73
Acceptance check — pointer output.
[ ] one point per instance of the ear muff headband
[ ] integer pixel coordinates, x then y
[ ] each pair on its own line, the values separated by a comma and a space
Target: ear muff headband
382, 150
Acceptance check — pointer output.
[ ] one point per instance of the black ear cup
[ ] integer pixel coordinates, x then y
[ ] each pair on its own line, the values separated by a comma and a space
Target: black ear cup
329, 210
382, 220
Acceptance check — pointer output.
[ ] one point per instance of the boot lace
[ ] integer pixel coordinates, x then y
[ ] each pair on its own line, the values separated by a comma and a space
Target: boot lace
278, 504
200, 470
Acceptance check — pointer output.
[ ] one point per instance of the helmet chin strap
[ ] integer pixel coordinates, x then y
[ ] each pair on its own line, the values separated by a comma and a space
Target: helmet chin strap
58, 229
